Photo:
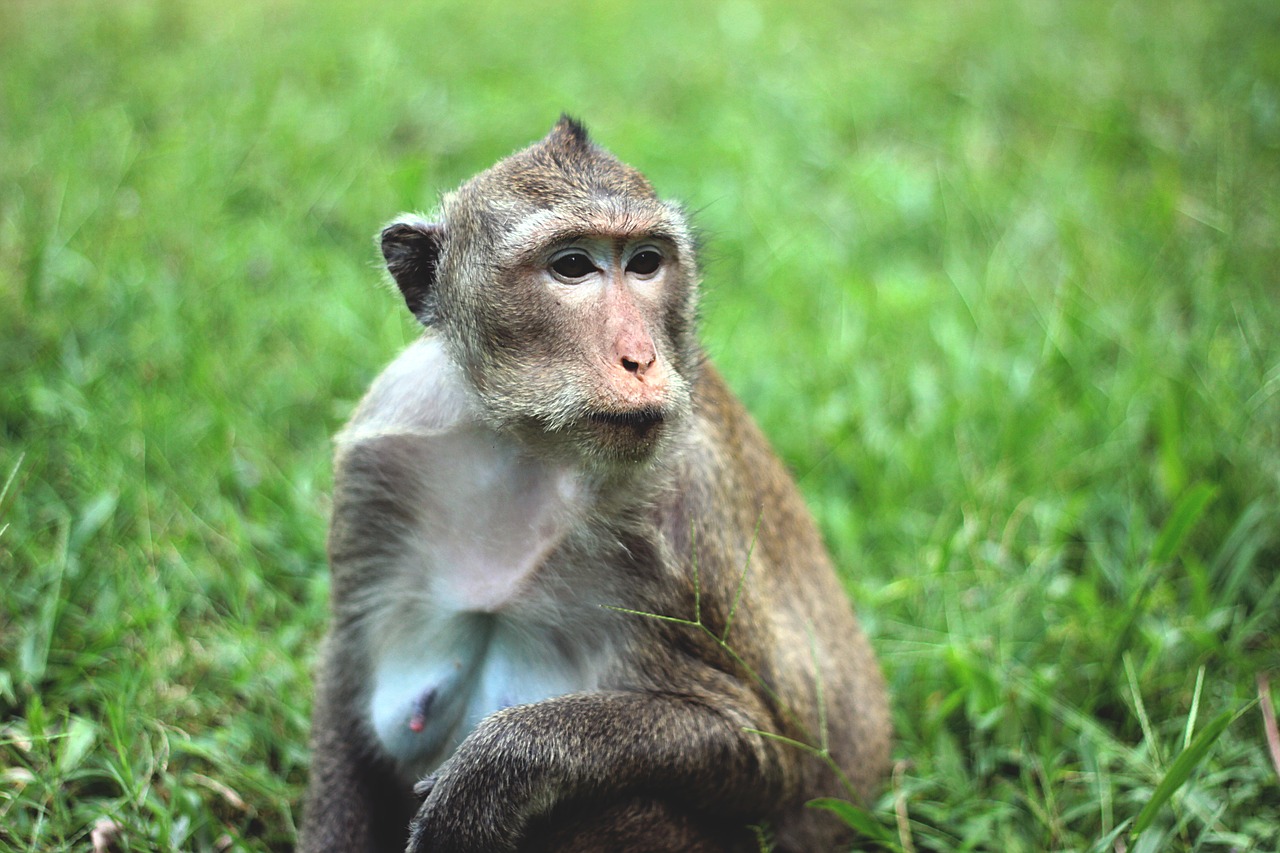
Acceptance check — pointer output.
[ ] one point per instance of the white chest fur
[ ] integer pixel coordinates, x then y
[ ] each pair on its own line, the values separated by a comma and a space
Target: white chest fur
468, 618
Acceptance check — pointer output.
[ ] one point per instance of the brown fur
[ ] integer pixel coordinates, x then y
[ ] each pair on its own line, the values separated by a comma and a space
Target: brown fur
658, 754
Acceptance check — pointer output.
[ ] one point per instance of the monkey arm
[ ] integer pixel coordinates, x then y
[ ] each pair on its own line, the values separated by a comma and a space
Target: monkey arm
354, 802
522, 762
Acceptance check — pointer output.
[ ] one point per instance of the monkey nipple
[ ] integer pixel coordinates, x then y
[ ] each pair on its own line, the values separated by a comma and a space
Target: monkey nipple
421, 707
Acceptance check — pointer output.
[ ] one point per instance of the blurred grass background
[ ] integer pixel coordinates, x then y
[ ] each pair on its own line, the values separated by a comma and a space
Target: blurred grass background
999, 279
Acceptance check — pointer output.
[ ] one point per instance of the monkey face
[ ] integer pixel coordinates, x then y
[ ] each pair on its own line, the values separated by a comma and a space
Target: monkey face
574, 343
606, 291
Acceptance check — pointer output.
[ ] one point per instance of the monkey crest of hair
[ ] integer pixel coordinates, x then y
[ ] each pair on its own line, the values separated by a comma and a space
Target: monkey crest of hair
548, 514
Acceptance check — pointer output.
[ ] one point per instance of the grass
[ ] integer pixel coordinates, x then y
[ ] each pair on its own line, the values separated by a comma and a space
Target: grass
999, 279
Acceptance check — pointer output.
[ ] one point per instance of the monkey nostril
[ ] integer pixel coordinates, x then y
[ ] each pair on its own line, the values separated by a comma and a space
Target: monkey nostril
637, 367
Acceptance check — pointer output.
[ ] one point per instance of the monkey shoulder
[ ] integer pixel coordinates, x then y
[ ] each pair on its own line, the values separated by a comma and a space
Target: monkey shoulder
421, 391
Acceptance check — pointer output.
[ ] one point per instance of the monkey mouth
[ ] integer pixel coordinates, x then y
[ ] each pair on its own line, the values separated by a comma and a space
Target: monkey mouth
638, 424
646, 418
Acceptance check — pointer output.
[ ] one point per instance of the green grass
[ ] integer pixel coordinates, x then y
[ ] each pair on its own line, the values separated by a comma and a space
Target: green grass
1000, 279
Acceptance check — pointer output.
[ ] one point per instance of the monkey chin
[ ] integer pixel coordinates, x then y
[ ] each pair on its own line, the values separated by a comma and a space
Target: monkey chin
628, 437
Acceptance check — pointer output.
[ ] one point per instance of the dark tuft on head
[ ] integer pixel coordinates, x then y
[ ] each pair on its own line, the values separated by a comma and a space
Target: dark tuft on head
571, 130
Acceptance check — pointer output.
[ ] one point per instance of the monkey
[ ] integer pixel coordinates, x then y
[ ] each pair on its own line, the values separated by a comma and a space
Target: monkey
577, 602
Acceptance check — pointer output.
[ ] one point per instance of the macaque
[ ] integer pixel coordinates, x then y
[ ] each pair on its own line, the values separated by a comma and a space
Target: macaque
577, 601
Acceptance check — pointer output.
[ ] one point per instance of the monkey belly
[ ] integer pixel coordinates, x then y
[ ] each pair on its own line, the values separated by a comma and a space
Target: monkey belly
430, 691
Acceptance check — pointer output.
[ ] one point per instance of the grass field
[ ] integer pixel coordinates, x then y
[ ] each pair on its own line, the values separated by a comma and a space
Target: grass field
1001, 280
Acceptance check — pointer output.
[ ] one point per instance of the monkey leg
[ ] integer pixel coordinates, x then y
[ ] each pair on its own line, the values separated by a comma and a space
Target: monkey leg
637, 825
521, 764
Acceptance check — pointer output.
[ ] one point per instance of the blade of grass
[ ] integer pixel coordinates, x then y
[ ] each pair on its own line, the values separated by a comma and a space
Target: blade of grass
1182, 521
859, 819
1183, 766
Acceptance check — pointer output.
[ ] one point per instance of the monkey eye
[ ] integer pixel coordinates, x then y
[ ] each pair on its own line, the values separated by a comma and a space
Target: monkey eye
573, 265
644, 262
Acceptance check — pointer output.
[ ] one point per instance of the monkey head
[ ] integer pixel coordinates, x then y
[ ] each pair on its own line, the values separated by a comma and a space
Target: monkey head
566, 292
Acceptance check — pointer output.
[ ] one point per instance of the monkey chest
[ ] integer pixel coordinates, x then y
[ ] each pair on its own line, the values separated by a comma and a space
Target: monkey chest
474, 612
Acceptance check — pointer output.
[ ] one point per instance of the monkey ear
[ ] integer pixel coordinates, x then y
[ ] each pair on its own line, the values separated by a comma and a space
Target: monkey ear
411, 247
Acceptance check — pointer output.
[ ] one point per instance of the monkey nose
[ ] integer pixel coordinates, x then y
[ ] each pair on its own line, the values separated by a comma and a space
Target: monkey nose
638, 365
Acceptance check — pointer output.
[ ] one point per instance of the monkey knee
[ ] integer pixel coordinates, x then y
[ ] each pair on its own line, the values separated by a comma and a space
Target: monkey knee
635, 825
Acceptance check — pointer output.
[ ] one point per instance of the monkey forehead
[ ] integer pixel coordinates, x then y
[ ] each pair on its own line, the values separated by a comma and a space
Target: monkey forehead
609, 217
557, 171
563, 166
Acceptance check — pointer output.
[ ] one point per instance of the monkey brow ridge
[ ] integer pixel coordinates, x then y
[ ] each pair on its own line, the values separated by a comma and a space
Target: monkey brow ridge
532, 236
